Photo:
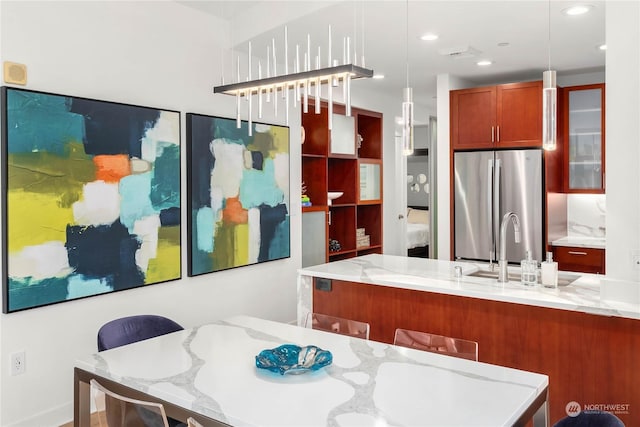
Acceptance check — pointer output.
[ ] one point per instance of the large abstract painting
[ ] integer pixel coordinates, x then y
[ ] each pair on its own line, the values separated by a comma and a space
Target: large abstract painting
91, 195
238, 193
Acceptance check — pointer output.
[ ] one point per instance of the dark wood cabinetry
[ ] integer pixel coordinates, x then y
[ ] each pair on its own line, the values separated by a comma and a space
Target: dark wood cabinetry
589, 358
503, 116
356, 173
585, 260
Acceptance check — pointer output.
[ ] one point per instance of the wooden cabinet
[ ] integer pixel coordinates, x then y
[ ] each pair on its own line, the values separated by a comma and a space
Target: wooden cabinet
589, 358
503, 116
357, 174
584, 135
585, 260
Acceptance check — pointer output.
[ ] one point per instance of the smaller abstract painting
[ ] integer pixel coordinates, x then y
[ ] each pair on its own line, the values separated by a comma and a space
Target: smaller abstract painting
91, 197
238, 193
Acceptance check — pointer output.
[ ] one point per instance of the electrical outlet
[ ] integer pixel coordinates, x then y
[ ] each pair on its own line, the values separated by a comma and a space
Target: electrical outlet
635, 260
18, 363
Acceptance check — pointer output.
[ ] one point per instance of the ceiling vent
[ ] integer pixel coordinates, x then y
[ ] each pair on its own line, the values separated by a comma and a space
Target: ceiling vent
460, 52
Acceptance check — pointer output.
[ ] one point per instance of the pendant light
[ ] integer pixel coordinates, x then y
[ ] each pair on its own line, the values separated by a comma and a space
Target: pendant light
407, 104
298, 83
549, 100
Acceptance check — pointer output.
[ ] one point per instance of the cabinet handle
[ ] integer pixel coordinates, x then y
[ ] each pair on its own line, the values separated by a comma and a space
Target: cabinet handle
400, 216
577, 253
498, 133
492, 134
329, 217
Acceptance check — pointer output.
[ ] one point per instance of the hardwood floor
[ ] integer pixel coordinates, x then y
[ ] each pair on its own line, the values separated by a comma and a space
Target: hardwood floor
95, 420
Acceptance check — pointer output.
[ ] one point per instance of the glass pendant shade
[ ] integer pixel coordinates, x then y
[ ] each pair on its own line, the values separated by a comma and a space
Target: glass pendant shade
407, 122
549, 110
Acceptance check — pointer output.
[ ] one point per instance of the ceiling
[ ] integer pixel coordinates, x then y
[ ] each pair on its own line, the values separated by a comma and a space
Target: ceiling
462, 26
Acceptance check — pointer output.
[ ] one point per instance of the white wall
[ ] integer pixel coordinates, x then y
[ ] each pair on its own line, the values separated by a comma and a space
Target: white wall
623, 138
158, 54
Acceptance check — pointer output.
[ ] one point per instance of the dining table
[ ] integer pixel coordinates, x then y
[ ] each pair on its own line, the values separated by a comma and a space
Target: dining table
209, 372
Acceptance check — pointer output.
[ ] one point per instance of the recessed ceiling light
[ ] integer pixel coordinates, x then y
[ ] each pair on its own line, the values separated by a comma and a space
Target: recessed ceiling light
602, 47
484, 63
429, 37
378, 76
579, 9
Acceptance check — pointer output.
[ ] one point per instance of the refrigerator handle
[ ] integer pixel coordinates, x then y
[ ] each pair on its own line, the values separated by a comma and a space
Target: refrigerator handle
492, 251
497, 203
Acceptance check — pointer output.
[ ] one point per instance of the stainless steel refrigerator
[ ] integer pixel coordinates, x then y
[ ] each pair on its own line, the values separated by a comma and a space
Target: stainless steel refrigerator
487, 185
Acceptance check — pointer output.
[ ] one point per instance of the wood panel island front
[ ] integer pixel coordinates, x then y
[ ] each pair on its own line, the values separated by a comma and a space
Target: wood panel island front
587, 346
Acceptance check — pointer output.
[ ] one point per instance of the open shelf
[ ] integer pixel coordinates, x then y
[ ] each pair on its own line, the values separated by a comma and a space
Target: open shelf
369, 217
323, 171
342, 226
369, 126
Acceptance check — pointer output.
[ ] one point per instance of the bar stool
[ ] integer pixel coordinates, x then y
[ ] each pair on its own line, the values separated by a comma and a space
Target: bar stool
456, 347
338, 325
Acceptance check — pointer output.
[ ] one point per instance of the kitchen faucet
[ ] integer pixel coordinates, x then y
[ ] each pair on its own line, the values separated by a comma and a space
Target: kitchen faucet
503, 275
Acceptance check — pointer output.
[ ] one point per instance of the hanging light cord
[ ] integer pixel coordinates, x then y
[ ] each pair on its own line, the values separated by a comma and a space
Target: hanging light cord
407, 39
549, 42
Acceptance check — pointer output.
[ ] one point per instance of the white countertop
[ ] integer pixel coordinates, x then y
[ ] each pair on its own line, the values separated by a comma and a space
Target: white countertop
581, 242
211, 371
583, 295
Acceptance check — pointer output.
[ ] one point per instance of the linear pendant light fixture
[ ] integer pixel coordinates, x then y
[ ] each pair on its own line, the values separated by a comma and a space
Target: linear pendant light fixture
302, 82
407, 104
549, 101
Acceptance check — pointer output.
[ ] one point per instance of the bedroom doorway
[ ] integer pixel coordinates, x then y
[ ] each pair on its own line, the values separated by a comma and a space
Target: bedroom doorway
419, 191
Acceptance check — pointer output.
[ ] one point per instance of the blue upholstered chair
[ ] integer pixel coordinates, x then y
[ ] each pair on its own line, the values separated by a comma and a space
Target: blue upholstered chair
127, 330
590, 419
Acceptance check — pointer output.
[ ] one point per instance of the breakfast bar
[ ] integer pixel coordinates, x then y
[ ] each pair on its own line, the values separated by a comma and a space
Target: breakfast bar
550, 331
209, 373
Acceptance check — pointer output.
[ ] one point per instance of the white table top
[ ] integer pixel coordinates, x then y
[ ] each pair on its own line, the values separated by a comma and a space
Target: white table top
211, 370
583, 295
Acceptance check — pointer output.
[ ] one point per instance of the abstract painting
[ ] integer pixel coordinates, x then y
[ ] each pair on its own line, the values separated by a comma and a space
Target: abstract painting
91, 195
238, 193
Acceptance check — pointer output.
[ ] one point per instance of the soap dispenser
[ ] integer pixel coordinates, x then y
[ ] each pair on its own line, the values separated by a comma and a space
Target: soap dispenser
549, 272
529, 271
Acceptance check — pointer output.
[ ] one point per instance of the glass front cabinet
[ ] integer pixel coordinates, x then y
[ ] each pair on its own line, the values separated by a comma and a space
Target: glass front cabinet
584, 138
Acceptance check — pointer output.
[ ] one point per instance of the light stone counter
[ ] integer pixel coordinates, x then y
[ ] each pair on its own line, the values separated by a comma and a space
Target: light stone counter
621, 299
581, 242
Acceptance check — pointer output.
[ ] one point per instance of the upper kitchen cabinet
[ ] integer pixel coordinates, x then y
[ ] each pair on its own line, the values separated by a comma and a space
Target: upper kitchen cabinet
584, 134
502, 116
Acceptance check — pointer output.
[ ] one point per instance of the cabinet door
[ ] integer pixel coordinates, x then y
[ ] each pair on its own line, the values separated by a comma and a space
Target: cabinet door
473, 117
370, 179
314, 230
519, 122
586, 260
584, 133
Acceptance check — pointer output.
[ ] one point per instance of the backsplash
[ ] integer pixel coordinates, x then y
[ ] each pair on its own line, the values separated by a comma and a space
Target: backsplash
586, 215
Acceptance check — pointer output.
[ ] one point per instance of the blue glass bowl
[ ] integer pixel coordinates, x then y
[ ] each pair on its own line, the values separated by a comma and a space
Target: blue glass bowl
293, 359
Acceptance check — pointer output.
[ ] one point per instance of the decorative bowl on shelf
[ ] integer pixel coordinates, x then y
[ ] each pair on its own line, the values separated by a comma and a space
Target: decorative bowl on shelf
293, 359
332, 195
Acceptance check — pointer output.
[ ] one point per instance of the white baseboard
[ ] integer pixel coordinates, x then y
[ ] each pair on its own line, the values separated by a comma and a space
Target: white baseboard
54, 417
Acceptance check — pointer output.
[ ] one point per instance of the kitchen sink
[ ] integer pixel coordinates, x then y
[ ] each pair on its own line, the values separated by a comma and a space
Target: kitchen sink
564, 279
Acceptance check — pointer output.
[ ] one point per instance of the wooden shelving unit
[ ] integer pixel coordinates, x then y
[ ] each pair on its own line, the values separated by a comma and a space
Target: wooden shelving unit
324, 171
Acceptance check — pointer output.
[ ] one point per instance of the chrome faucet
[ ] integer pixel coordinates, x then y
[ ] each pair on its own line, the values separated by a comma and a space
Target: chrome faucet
503, 274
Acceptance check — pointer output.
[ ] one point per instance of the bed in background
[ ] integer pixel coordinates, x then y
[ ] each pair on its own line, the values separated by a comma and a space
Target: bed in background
417, 232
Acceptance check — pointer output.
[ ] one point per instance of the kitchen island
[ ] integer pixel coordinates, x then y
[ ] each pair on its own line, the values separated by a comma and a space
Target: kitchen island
587, 345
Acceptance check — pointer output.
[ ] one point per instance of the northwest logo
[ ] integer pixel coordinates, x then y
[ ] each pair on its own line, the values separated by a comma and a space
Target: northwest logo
573, 409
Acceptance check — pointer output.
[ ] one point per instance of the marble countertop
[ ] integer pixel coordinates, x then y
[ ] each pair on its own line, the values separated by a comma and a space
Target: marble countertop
210, 370
581, 242
590, 293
